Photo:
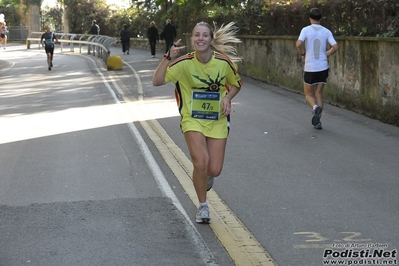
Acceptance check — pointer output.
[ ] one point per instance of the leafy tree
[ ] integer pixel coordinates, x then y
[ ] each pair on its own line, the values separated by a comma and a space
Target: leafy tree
253, 17
81, 13
13, 11
53, 18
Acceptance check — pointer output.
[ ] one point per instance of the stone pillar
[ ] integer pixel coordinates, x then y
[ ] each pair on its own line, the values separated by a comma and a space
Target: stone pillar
65, 21
33, 18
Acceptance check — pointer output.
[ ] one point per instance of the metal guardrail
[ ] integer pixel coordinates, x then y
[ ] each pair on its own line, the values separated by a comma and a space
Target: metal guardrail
95, 43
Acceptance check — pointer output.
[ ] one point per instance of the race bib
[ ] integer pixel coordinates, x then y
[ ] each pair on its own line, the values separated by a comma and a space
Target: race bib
205, 105
48, 42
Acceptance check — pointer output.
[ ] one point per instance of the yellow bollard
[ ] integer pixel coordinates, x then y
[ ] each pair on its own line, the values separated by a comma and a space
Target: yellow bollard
114, 62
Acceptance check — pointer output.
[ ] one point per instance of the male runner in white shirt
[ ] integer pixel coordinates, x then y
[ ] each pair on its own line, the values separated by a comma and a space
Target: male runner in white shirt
312, 45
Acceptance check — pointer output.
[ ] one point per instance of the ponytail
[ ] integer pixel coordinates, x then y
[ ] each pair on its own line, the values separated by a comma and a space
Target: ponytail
221, 37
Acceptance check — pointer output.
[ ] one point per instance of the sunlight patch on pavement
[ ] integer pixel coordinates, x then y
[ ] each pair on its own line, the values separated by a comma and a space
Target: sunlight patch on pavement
28, 126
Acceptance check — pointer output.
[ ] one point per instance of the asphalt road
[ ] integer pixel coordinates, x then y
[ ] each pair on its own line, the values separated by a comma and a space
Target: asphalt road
83, 181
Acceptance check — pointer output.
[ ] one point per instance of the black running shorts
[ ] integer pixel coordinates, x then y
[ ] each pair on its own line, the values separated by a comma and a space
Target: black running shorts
313, 78
49, 49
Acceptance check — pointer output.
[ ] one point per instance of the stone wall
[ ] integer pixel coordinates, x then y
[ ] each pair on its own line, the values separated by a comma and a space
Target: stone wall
364, 73
143, 43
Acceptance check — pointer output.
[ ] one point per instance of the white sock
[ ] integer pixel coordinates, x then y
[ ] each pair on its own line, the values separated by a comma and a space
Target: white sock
203, 204
315, 106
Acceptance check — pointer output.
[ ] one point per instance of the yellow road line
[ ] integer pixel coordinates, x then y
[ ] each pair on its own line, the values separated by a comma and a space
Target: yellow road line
243, 248
238, 241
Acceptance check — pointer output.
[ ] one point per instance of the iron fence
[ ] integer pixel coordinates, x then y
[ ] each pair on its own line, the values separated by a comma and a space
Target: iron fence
17, 33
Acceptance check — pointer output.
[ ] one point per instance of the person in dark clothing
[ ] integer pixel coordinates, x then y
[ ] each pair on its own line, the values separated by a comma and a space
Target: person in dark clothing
94, 29
48, 39
153, 37
169, 34
125, 39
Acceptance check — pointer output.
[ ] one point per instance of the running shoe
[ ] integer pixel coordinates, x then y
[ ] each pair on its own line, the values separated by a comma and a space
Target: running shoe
210, 182
318, 126
49, 68
202, 216
316, 115
127, 52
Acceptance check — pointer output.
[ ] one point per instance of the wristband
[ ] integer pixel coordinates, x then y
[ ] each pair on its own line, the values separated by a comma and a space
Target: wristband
303, 54
167, 56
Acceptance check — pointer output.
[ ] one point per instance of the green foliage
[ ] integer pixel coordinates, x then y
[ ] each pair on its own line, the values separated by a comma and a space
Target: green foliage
81, 13
8, 3
52, 17
14, 12
33, 2
11, 15
253, 17
279, 17
343, 17
150, 6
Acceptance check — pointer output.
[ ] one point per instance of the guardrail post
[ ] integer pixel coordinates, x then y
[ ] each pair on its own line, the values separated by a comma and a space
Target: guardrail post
106, 57
27, 44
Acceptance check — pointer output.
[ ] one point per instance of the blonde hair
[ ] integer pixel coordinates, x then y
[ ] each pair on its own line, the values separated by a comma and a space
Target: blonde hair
152, 24
221, 37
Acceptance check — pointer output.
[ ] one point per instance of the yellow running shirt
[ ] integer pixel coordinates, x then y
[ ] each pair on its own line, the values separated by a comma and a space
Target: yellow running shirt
199, 90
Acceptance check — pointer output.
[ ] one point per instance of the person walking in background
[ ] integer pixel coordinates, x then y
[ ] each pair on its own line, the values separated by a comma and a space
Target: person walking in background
125, 39
169, 34
48, 39
153, 37
312, 45
206, 81
94, 29
3, 34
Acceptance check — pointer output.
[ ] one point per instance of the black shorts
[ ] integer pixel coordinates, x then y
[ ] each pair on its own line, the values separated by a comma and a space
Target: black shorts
2, 35
49, 49
313, 78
